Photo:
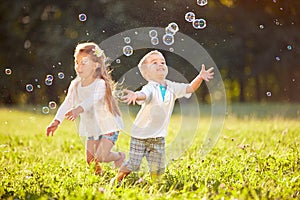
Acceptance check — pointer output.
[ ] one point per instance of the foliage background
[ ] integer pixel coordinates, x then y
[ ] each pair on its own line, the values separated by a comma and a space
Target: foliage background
255, 44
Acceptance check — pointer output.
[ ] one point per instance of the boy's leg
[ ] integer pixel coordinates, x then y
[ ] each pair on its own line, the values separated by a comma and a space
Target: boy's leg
156, 157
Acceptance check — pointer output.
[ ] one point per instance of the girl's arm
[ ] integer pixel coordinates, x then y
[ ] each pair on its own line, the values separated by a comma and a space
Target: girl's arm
132, 97
203, 75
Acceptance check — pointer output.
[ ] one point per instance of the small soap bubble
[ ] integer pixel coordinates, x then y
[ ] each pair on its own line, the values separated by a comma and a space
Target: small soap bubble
269, 94
154, 41
261, 26
277, 58
45, 110
61, 75
59, 63
199, 23
153, 33
289, 47
168, 39
36, 80
127, 50
201, 2
171, 49
190, 16
27, 44
52, 105
29, 87
49, 77
172, 27
38, 86
127, 40
8, 71
118, 61
82, 17
48, 82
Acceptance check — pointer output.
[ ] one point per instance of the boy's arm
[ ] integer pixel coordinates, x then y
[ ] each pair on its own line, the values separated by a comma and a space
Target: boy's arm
132, 97
203, 75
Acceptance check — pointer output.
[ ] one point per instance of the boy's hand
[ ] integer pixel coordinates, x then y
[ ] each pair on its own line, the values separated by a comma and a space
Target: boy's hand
73, 113
52, 127
129, 97
206, 74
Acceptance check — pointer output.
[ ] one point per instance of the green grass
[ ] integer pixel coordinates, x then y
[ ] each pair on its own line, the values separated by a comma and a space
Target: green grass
256, 157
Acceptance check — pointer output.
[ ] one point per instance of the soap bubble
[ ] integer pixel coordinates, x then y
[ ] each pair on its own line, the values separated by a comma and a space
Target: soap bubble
127, 40
45, 110
277, 58
269, 94
61, 75
127, 50
168, 39
201, 2
29, 87
154, 41
52, 105
289, 47
82, 17
172, 28
49, 77
27, 44
261, 26
199, 23
48, 82
8, 71
190, 16
118, 61
153, 33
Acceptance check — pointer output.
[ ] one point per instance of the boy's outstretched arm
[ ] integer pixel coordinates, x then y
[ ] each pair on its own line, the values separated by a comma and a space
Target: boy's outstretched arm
203, 75
132, 97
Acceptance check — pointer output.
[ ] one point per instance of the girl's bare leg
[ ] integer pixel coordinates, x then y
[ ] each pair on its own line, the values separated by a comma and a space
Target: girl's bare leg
91, 147
104, 153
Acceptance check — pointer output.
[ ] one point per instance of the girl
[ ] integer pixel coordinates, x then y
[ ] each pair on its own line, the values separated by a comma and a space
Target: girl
90, 96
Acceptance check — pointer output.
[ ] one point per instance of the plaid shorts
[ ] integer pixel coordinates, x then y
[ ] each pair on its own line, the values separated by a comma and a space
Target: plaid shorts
154, 151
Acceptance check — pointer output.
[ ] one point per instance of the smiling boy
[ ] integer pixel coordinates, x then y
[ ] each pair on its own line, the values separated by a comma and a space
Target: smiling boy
157, 100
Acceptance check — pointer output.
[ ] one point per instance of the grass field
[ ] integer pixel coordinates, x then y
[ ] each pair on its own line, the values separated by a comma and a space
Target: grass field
256, 157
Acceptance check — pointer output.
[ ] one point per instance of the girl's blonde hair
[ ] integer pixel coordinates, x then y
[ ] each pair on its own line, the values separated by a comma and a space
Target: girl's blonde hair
98, 56
142, 64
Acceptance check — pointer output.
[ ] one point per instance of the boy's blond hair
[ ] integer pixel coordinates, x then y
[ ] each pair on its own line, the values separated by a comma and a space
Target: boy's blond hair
142, 64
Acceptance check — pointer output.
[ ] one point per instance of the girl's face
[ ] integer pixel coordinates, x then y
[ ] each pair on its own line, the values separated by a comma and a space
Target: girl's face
84, 66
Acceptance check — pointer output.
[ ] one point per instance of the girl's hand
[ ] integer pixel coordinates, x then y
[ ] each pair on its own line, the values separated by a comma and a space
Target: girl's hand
129, 97
52, 127
73, 113
206, 74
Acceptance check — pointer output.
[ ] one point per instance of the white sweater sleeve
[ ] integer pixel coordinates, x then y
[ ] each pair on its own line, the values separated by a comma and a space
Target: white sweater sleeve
98, 94
67, 103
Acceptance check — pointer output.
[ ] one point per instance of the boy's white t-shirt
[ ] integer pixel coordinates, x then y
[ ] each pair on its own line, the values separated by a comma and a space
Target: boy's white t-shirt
96, 118
153, 118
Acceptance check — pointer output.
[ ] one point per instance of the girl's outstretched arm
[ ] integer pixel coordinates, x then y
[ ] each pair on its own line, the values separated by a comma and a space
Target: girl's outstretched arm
203, 75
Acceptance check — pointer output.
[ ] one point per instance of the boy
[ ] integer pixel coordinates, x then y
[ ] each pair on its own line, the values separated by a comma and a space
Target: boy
157, 100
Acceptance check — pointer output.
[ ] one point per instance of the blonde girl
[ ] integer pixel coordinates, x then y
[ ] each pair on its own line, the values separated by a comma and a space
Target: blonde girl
90, 97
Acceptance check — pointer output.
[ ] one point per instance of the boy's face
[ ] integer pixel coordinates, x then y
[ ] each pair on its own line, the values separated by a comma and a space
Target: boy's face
157, 69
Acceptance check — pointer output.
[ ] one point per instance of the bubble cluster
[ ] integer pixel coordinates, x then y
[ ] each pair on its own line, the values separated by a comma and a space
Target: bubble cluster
170, 31
52, 105
49, 79
127, 50
202, 2
199, 23
82, 17
153, 35
29, 87
8, 71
